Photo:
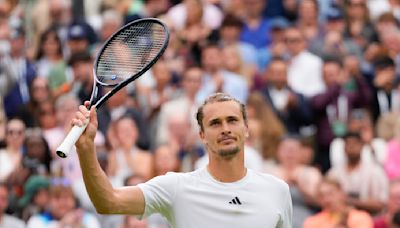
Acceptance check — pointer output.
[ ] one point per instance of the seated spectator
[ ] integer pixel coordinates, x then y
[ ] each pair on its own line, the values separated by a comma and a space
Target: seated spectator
256, 27
5, 219
302, 179
178, 14
392, 162
266, 130
39, 91
333, 105
36, 196
304, 66
392, 206
229, 34
50, 59
166, 160
335, 211
365, 183
291, 107
374, 149
121, 104
11, 156
235, 64
386, 95
217, 79
186, 102
126, 158
155, 220
63, 210
22, 72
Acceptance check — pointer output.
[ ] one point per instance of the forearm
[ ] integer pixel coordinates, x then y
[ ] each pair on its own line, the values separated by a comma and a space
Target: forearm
97, 184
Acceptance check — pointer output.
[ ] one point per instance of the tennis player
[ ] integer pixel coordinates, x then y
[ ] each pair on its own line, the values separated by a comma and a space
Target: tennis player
223, 194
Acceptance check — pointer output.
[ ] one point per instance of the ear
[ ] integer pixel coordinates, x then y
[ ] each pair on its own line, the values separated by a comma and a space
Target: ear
201, 134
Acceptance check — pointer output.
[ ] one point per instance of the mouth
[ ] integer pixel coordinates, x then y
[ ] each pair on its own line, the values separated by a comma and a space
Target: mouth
226, 140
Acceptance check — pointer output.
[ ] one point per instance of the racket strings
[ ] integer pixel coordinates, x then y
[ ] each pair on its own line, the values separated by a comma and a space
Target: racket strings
130, 52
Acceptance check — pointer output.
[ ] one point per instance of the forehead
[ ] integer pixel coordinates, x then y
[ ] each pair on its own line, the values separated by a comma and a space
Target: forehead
220, 110
16, 124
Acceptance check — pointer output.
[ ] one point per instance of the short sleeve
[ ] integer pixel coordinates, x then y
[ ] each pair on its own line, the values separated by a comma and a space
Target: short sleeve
159, 194
288, 210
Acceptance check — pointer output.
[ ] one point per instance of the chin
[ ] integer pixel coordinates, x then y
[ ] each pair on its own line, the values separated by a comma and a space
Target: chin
228, 152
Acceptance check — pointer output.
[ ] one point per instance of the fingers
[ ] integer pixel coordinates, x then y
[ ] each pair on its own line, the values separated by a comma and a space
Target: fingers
81, 116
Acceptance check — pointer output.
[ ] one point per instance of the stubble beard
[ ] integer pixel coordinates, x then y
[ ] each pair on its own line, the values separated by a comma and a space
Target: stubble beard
228, 153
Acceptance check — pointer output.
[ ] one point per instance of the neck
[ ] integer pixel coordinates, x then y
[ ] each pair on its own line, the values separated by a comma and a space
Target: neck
12, 149
352, 165
227, 170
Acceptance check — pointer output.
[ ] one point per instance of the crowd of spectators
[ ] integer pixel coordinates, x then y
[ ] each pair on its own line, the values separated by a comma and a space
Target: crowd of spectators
320, 78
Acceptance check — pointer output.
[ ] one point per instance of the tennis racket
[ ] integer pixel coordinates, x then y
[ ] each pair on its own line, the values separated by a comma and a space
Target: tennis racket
124, 57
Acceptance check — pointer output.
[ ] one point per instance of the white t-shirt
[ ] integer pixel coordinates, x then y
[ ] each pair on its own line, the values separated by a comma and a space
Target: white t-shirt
196, 199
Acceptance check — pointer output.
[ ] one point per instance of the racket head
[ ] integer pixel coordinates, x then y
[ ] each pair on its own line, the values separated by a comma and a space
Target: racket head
130, 52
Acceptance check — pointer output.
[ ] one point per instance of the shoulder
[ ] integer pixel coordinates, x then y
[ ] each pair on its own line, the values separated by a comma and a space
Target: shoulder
316, 220
233, 77
270, 180
358, 216
13, 221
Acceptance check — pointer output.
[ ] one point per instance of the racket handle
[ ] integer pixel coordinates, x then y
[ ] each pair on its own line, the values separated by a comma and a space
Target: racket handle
65, 148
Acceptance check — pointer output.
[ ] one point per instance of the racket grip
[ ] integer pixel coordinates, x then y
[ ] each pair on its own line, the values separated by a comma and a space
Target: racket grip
65, 148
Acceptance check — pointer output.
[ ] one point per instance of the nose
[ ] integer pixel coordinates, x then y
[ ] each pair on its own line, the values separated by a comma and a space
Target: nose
225, 128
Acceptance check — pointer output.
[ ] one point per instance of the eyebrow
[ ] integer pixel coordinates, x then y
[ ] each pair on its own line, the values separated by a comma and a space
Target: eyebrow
216, 120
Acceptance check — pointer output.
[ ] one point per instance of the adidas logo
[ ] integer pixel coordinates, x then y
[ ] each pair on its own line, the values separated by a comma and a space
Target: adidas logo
235, 201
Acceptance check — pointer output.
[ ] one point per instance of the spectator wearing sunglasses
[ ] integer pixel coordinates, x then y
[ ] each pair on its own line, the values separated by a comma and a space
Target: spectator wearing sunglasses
11, 156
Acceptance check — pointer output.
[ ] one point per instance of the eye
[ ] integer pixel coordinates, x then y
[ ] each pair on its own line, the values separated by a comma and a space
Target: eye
214, 123
232, 120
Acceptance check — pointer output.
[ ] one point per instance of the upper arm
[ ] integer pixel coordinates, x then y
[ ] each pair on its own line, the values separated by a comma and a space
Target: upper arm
128, 200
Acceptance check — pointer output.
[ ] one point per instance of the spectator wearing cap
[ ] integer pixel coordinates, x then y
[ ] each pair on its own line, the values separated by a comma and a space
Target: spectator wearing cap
386, 97
5, 219
364, 183
79, 38
22, 73
63, 210
36, 196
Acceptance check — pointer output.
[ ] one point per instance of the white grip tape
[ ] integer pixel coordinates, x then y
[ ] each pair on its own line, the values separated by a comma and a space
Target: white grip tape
65, 148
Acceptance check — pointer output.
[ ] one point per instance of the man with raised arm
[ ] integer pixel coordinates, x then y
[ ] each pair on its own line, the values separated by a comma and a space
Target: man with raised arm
223, 194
